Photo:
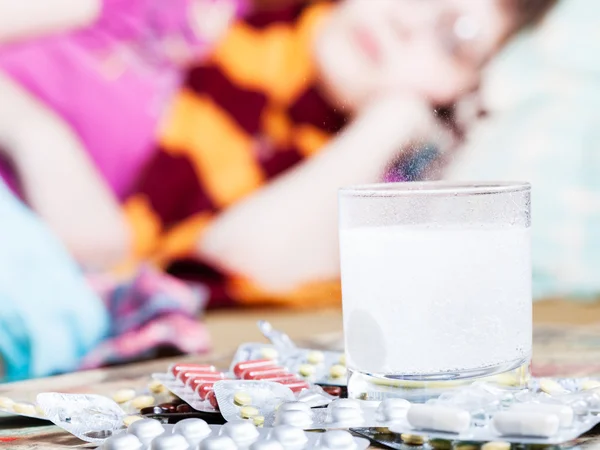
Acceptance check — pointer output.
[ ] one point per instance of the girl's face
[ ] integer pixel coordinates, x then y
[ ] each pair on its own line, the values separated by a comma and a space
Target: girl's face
431, 48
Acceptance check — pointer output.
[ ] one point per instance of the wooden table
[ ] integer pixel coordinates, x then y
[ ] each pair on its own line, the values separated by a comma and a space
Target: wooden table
566, 343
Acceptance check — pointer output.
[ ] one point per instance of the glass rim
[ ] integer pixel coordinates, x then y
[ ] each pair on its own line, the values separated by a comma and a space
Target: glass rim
444, 188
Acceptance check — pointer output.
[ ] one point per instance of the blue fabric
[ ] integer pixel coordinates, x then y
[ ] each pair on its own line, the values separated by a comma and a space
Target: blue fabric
49, 316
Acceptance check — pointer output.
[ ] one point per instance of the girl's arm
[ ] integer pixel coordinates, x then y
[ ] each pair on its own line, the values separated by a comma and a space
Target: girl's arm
59, 181
286, 234
22, 19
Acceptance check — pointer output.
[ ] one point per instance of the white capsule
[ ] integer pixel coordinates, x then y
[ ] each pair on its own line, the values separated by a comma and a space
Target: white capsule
392, 409
146, 430
294, 406
533, 424
124, 441
193, 430
438, 418
292, 438
170, 442
269, 444
296, 418
218, 443
564, 412
338, 440
243, 433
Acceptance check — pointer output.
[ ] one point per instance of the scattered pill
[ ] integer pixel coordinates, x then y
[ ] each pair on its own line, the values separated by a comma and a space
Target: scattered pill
534, 424
143, 401
122, 441
496, 446
315, 357
551, 387
123, 395
306, 370
590, 384
247, 412
170, 442
258, 421
438, 418
146, 430
242, 433
157, 387
291, 437
243, 366
6, 403
337, 439
183, 367
269, 353
441, 444
412, 439
193, 430
269, 444
242, 398
337, 371
564, 412
25, 408
218, 443
128, 420
261, 373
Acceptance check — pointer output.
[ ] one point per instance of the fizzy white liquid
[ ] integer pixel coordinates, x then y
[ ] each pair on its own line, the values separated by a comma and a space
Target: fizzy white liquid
431, 300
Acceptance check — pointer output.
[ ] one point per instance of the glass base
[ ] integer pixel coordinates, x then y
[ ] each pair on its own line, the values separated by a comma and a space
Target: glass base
420, 388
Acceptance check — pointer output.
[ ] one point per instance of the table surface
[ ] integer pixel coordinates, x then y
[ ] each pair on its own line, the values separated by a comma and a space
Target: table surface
566, 343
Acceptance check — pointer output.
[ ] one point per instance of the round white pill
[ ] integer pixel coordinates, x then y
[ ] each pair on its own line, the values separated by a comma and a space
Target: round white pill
296, 418
392, 409
6, 403
193, 430
291, 437
124, 441
143, 401
218, 443
170, 442
25, 408
123, 395
146, 430
438, 418
269, 353
243, 433
564, 412
269, 444
534, 424
337, 439
315, 357
294, 406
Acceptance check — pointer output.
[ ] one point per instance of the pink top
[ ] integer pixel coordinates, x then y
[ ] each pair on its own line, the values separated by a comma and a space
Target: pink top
111, 81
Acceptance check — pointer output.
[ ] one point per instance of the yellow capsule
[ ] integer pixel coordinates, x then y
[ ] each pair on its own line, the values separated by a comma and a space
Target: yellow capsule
412, 439
143, 401
123, 395
500, 445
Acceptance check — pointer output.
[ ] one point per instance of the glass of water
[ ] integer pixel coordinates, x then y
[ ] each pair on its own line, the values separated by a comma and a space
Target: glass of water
436, 286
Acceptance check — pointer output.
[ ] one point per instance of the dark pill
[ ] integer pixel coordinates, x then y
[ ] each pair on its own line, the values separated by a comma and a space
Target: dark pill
336, 391
151, 410
184, 408
169, 407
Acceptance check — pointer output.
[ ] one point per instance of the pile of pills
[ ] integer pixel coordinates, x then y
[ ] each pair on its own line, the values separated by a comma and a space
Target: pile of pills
192, 434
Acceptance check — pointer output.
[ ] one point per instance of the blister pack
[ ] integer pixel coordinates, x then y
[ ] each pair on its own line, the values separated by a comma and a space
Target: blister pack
192, 434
